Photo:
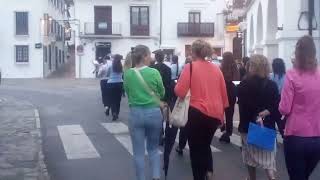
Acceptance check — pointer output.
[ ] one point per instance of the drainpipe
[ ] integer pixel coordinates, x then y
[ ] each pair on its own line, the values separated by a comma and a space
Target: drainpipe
310, 16
160, 41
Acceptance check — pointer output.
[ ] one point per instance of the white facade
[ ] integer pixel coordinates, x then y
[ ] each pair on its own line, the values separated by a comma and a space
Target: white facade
273, 27
121, 39
35, 67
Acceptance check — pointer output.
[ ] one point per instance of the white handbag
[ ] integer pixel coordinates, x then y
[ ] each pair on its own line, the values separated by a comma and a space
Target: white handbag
179, 114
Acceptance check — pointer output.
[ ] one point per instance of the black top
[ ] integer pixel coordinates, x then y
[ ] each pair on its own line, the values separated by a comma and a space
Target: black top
255, 95
165, 73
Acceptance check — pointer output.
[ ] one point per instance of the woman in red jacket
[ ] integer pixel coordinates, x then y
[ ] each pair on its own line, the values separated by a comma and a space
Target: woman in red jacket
208, 101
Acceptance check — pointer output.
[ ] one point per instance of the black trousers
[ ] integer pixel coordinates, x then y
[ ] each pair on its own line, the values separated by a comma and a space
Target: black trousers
115, 91
104, 92
200, 131
302, 155
229, 119
183, 138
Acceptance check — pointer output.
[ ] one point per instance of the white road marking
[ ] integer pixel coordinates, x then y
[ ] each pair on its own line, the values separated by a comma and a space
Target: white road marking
37, 117
235, 139
76, 143
121, 133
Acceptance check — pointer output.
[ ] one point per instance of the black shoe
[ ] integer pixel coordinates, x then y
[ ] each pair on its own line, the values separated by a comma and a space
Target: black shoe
115, 117
225, 138
107, 112
179, 151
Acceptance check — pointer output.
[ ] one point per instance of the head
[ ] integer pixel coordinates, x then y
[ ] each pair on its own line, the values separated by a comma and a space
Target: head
116, 63
305, 54
245, 60
159, 56
201, 50
228, 66
141, 55
175, 59
278, 67
259, 66
128, 62
188, 60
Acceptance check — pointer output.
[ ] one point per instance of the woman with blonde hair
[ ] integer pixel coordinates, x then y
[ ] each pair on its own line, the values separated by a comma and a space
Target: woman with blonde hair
300, 103
208, 101
258, 102
145, 120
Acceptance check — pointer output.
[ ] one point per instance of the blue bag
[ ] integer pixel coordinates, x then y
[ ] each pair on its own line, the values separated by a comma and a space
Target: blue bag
261, 137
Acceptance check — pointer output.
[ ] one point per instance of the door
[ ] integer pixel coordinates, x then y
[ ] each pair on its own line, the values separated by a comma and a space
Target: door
237, 47
194, 23
103, 20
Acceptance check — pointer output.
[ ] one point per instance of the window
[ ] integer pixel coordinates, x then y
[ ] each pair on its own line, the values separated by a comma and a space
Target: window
139, 20
194, 17
45, 54
60, 59
63, 60
22, 23
50, 57
22, 53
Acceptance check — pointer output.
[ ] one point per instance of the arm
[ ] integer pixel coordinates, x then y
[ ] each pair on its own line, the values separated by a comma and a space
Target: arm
286, 97
125, 83
160, 87
272, 101
223, 90
183, 84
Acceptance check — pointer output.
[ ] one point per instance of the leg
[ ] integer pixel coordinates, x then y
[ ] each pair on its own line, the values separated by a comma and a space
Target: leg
271, 174
294, 152
194, 139
182, 138
137, 133
153, 128
212, 126
312, 156
229, 119
116, 96
252, 173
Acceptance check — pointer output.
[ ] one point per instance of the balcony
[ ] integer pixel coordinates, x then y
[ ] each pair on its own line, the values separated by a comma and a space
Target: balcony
195, 29
102, 29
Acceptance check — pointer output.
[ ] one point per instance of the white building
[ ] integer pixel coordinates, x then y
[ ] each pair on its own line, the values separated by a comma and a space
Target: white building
115, 26
274, 26
32, 37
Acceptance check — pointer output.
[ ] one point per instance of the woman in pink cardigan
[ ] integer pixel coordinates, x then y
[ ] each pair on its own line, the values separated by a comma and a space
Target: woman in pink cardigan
300, 103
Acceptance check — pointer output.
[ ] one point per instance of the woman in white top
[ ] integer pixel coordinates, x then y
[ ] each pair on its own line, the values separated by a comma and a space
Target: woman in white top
103, 75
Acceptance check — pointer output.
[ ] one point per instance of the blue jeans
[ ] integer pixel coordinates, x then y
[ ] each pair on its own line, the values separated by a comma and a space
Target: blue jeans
145, 125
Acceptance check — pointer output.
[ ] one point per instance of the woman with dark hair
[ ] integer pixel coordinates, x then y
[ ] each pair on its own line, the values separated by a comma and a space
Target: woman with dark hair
243, 70
300, 101
230, 73
207, 103
145, 119
278, 76
115, 86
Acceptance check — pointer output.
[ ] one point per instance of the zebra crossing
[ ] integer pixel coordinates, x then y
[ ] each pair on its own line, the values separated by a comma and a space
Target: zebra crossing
77, 144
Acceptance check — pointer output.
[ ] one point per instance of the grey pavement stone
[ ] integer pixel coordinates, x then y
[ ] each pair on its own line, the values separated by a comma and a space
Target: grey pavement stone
20, 142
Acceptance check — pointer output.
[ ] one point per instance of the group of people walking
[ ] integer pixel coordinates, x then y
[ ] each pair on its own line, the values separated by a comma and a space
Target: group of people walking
266, 97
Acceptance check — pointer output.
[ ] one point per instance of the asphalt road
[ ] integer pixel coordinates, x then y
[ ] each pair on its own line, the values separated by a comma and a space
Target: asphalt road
81, 143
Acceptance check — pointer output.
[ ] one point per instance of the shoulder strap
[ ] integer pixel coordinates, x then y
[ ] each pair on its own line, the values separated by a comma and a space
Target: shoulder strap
145, 85
190, 73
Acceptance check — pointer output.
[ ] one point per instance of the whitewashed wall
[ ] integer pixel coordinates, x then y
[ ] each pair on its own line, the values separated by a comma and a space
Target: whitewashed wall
274, 42
35, 68
177, 11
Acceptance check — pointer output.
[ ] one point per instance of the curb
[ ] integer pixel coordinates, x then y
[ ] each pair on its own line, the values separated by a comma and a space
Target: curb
42, 168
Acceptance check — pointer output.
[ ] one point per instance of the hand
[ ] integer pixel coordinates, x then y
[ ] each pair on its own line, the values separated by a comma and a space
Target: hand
260, 121
264, 113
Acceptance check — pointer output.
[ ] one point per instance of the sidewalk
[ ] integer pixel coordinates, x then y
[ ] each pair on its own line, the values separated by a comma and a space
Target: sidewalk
20, 142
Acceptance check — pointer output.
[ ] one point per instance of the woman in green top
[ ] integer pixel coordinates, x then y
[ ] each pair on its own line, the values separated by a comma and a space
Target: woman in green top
145, 120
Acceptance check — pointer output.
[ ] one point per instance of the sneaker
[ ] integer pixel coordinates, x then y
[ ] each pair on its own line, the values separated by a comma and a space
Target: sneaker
179, 151
225, 138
